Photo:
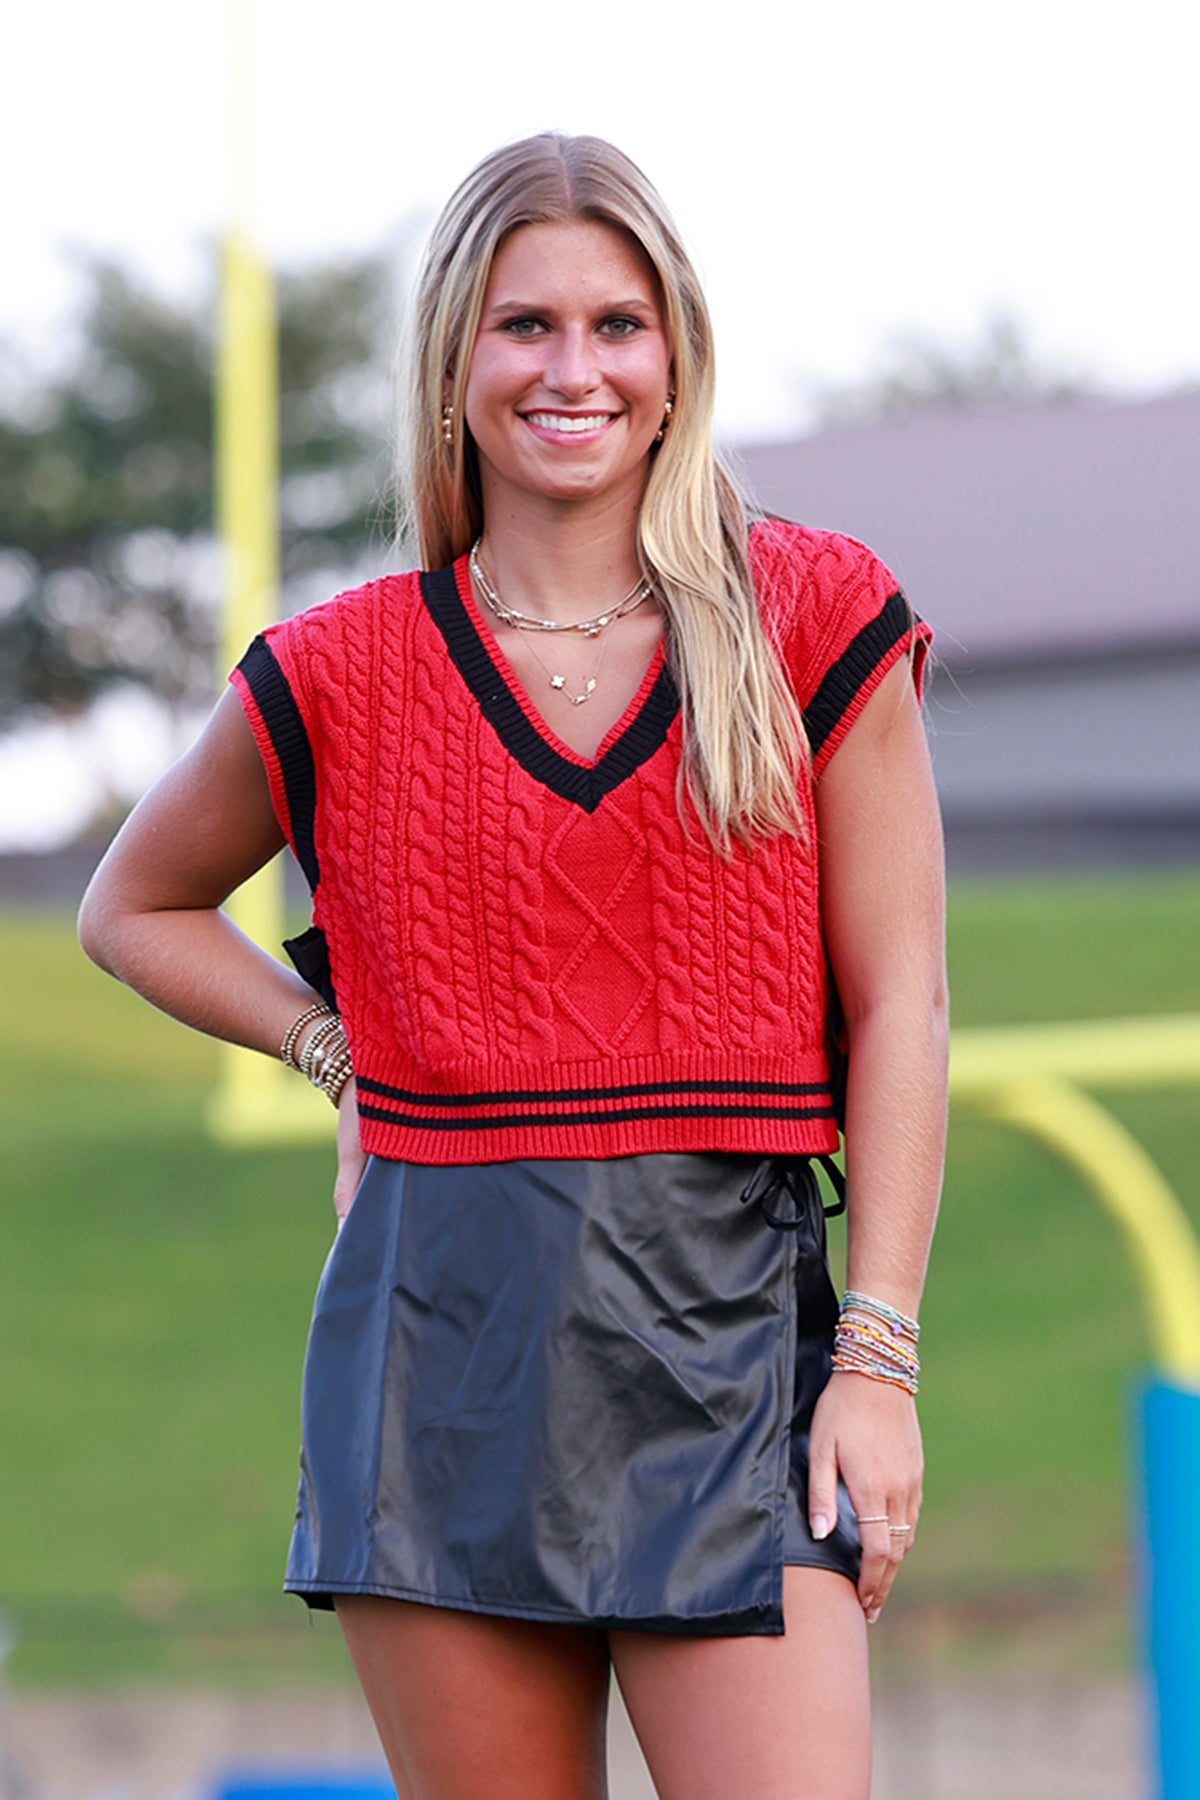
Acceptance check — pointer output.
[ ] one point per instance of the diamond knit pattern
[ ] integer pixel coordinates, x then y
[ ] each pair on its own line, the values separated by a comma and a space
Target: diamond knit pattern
527, 965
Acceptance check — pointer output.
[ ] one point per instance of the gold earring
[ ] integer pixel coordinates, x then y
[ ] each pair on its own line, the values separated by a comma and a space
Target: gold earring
668, 409
448, 426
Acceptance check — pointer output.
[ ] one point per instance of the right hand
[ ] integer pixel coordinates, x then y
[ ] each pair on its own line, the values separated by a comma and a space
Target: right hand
352, 1158
867, 1432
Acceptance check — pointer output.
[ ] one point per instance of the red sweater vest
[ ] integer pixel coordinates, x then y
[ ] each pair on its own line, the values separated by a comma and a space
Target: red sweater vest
530, 955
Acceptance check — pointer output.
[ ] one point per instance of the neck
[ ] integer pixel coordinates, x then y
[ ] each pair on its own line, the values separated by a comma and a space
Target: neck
563, 568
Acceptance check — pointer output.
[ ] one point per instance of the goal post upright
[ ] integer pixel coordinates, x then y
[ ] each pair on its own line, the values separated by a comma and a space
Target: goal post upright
254, 1100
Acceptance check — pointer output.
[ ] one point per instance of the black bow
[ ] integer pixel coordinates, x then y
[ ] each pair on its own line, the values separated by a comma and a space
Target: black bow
792, 1179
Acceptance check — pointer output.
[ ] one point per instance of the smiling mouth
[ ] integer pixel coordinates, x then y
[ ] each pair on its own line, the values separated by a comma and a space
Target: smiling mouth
568, 422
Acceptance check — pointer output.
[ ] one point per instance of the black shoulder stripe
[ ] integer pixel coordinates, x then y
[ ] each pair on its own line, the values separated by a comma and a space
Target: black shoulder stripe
281, 716
586, 787
854, 666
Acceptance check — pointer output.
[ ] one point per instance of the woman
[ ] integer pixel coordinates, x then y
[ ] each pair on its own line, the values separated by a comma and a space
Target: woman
568, 1399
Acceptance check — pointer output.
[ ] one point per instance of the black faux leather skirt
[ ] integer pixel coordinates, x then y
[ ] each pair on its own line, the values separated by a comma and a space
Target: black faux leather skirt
576, 1391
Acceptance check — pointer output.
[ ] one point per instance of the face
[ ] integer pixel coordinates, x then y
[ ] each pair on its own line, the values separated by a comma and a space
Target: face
571, 369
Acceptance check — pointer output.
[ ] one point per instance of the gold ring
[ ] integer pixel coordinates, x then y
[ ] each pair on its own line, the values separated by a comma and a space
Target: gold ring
875, 1519
899, 1530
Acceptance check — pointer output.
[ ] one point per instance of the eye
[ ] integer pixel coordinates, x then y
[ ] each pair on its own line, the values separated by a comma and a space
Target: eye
522, 328
621, 326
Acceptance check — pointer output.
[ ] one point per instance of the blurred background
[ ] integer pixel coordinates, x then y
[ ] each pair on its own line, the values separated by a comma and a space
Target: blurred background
957, 316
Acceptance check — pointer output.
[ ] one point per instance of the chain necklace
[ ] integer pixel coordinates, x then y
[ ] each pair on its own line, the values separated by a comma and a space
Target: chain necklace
590, 628
508, 615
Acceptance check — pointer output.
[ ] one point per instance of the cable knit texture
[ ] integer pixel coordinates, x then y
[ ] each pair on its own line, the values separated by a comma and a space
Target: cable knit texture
531, 956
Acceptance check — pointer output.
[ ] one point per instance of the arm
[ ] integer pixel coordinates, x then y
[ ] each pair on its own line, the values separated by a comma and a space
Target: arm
880, 847
151, 912
151, 915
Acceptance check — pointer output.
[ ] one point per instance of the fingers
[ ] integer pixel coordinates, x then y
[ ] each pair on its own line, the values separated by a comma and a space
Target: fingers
866, 1432
352, 1158
822, 1484
874, 1577
887, 1531
890, 1556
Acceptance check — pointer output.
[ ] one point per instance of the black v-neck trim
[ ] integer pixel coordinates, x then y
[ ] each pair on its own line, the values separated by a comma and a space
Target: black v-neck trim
584, 784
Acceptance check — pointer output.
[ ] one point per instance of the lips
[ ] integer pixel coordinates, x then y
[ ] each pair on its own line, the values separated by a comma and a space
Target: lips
567, 422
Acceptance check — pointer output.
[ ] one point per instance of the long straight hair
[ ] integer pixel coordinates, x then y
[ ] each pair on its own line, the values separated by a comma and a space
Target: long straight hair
743, 739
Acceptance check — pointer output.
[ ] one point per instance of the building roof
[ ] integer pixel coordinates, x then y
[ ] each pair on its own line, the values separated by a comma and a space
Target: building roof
1063, 529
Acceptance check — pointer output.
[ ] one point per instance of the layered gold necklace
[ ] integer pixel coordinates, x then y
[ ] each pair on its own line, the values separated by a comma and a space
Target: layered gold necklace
593, 627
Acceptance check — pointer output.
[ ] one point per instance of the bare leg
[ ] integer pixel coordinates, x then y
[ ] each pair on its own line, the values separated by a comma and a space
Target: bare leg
470, 1707
779, 1718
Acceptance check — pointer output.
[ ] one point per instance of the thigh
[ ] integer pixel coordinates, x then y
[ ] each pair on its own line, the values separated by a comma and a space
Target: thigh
782, 1718
472, 1707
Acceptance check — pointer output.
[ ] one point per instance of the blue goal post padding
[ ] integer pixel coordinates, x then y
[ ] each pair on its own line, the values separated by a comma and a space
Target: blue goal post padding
1170, 1457
327, 1786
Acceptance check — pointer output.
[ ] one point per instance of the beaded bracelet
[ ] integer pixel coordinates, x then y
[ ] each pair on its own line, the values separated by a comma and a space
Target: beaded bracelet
287, 1050
856, 1350
329, 1067
334, 1083
864, 1302
908, 1383
875, 1340
320, 1041
325, 1058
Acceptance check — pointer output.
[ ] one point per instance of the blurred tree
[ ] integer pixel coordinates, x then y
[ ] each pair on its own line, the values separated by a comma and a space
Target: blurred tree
109, 569
920, 374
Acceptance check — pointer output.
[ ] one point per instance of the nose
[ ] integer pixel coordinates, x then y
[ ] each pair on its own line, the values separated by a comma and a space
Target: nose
572, 368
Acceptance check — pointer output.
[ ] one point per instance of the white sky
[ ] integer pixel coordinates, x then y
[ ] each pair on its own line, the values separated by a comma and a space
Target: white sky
842, 172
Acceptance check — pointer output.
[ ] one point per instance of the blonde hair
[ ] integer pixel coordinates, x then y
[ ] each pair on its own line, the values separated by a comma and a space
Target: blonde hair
743, 740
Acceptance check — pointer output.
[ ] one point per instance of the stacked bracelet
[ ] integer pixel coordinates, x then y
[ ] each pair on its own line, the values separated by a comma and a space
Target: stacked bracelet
875, 1340
287, 1050
325, 1057
323, 1037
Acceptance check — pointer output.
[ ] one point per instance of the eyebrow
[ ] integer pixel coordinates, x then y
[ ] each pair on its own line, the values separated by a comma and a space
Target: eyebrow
640, 304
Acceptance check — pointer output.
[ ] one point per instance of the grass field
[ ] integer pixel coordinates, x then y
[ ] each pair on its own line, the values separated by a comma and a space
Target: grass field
154, 1293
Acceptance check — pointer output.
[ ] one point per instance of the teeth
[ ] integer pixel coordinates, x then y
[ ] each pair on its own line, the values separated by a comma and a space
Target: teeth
562, 422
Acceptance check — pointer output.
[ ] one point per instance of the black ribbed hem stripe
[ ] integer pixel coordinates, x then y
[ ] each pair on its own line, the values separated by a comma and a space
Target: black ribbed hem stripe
498, 1096
281, 716
619, 1115
585, 787
858, 661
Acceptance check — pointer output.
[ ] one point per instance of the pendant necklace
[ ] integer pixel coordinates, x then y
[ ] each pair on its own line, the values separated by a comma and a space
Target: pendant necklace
559, 682
591, 627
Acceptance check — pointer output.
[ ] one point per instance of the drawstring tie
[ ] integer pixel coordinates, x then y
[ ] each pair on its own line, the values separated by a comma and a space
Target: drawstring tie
791, 1180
